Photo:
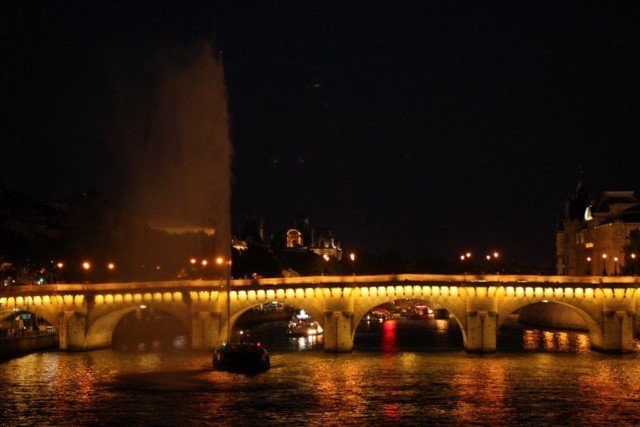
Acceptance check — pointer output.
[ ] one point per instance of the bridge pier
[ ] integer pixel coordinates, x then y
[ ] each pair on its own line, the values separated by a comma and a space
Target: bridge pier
482, 331
338, 324
618, 316
338, 334
617, 328
482, 323
72, 330
205, 330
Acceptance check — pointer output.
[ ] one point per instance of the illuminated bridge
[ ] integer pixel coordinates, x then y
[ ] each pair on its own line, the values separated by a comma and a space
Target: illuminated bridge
85, 315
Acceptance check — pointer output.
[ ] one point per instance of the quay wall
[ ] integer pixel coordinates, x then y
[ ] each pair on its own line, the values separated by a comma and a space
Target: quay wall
19, 346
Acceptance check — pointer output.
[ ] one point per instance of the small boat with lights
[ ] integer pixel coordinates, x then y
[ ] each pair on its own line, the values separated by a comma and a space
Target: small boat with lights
303, 325
241, 357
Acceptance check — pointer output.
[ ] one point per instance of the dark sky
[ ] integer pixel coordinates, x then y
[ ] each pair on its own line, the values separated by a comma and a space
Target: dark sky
418, 127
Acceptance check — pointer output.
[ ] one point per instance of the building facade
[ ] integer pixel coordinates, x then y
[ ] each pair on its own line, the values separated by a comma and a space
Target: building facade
591, 236
320, 241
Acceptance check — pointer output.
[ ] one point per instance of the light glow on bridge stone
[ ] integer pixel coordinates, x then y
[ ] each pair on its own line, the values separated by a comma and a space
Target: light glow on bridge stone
147, 297
588, 294
20, 301
108, 299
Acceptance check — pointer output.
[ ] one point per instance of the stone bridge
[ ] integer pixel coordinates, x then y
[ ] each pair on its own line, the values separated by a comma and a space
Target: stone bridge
85, 315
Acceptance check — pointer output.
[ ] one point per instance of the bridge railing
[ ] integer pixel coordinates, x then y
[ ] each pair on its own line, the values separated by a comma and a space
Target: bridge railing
460, 280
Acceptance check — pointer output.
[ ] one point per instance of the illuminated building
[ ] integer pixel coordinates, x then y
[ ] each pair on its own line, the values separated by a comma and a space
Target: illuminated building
320, 241
590, 237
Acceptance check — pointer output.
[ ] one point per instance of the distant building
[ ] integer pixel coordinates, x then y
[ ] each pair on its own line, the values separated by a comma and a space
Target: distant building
591, 236
320, 241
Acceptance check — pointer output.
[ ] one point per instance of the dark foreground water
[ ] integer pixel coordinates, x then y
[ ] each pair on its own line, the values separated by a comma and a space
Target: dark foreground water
403, 373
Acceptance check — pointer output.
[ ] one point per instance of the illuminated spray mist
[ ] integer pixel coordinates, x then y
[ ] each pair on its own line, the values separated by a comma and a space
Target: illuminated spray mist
172, 135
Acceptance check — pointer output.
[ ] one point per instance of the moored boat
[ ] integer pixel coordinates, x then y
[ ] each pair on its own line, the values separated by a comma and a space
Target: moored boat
303, 325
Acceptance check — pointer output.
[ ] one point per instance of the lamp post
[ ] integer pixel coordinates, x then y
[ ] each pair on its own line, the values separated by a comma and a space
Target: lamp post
464, 258
633, 260
352, 257
86, 267
604, 264
589, 266
495, 255
615, 265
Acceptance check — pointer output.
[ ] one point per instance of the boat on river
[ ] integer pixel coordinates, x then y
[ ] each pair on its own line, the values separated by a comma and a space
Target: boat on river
241, 357
303, 325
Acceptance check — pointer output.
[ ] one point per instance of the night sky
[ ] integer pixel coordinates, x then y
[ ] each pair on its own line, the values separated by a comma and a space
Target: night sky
422, 128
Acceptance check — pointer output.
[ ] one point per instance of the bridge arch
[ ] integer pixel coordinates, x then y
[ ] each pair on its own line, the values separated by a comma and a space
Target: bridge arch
596, 335
441, 296
50, 316
311, 306
104, 320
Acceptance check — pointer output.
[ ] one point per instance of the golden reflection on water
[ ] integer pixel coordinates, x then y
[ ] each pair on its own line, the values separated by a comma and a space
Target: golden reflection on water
481, 388
442, 326
341, 384
611, 387
555, 341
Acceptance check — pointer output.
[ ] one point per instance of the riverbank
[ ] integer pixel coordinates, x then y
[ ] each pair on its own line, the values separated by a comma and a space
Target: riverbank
15, 347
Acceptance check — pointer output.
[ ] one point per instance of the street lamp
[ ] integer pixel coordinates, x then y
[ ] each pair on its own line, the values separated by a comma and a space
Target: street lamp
615, 265
589, 265
111, 266
604, 264
352, 257
491, 256
86, 266
633, 259
465, 257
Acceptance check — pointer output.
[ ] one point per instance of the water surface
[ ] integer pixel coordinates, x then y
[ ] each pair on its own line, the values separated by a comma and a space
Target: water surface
401, 374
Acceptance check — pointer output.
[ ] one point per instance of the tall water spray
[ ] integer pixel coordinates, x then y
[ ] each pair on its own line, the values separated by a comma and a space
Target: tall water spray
171, 133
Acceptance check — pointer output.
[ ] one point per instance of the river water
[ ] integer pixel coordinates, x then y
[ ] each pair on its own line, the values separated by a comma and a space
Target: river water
403, 372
